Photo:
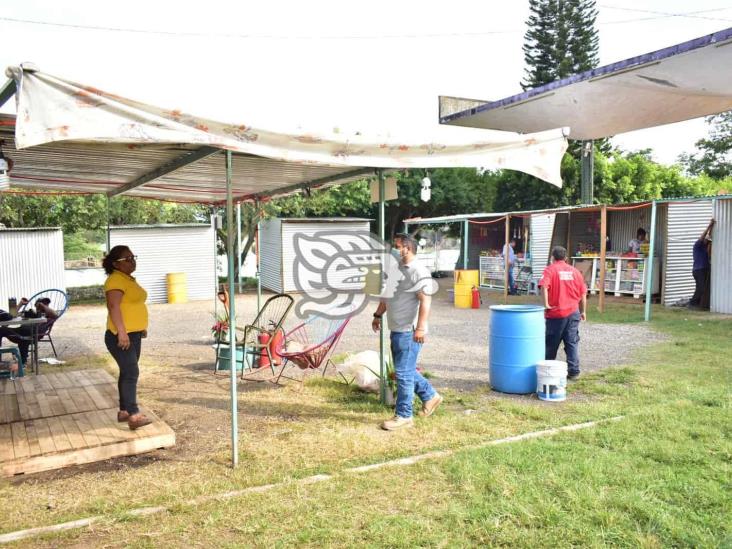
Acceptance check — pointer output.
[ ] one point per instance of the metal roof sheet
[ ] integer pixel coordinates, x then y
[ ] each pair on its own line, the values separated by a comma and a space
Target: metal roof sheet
681, 82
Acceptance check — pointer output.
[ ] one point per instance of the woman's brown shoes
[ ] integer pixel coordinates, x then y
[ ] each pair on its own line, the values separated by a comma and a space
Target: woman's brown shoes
138, 420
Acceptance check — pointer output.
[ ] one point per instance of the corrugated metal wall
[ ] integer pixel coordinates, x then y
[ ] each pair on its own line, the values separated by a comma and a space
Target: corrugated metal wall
721, 295
559, 231
541, 234
686, 221
270, 261
171, 249
30, 261
290, 229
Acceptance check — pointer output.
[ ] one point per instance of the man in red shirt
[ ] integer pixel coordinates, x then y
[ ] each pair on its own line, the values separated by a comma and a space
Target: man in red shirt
565, 299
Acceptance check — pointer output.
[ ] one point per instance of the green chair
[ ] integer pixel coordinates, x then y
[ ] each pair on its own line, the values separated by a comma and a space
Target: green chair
14, 351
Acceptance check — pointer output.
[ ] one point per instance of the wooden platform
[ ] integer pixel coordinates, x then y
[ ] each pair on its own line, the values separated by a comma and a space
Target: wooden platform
56, 420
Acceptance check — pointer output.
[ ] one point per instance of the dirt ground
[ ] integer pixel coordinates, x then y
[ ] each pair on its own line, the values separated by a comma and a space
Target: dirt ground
178, 383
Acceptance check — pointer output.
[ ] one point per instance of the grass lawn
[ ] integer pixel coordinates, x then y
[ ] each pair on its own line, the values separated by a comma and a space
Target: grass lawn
662, 476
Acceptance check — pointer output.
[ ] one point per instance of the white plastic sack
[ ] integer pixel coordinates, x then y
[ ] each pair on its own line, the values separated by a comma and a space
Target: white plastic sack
362, 369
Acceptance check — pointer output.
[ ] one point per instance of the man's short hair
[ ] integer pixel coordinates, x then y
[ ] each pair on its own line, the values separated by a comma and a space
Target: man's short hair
407, 240
641, 232
44, 300
559, 253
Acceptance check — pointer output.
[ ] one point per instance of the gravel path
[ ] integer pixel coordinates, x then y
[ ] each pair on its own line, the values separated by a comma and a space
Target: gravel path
456, 352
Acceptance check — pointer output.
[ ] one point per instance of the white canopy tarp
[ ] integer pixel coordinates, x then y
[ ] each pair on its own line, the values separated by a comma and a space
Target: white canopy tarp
54, 113
677, 83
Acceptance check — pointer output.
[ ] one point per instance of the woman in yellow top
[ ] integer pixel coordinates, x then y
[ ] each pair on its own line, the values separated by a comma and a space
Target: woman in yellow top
126, 326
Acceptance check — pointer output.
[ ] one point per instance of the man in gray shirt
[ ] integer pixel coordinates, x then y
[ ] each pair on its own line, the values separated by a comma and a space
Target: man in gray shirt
410, 303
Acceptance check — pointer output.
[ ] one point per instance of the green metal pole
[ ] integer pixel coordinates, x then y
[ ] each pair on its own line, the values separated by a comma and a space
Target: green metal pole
215, 263
259, 277
649, 264
109, 238
382, 331
238, 245
466, 228
232, 314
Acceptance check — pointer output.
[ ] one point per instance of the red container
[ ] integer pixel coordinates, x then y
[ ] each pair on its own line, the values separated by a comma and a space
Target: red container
275, 345
263, 339
476, 298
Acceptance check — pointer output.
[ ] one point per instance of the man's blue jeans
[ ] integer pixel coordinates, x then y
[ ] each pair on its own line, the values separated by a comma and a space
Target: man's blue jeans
564, 329
404, 352
511, 281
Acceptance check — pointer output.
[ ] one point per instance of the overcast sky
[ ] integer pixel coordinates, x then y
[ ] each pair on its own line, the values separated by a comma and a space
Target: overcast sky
371, 66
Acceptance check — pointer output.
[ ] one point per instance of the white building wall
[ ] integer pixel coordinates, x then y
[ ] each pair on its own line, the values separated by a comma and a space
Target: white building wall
270, 260
163, 249
721, 292
31, 260
291, 228
539, 241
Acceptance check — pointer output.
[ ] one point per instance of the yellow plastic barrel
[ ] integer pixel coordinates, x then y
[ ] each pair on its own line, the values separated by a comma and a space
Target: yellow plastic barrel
177, 288
464, 281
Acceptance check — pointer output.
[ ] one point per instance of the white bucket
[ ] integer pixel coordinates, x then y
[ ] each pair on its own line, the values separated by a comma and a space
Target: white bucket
551, 380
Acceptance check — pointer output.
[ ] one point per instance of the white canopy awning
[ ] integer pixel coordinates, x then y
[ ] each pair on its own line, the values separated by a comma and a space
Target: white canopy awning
682, 82
72, 137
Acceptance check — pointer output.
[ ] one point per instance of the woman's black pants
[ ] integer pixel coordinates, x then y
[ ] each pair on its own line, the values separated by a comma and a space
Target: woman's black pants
128, 369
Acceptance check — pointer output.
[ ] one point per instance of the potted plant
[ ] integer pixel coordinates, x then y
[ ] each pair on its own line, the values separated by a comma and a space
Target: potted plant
220, 329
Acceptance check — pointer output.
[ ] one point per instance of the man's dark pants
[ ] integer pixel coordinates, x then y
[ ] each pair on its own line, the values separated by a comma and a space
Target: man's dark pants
564, 329
700, 278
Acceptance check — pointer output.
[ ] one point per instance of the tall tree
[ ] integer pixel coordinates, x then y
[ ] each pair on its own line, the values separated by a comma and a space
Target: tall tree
561, 40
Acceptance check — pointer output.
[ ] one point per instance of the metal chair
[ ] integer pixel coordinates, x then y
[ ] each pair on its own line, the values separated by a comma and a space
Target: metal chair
265, 326
59, 303
524, 280
16, 352
311, 344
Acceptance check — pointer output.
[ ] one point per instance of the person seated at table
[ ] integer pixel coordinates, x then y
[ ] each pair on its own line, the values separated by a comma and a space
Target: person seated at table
640, 239
23, 335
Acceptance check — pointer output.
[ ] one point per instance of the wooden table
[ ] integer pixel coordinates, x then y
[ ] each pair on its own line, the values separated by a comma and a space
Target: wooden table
34, 323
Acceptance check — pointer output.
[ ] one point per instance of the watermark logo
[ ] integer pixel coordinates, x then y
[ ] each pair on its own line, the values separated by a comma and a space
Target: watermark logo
340, 272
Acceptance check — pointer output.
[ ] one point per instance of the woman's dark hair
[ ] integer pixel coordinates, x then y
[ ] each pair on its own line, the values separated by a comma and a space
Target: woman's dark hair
114, 254
641, 232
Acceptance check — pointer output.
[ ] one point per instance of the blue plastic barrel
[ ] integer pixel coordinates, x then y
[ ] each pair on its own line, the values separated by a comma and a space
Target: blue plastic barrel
516, 345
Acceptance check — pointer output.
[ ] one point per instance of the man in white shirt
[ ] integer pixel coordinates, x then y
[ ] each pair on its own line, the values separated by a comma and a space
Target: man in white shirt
409, 311
509, 252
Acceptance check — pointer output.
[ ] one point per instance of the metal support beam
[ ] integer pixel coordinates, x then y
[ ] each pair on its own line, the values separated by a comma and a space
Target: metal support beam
506, 255
382, 330
314, 183
165, 169
7, 91
256, 243
466, 229
588, 168
603, 253
239, 262
232, 314
649, 266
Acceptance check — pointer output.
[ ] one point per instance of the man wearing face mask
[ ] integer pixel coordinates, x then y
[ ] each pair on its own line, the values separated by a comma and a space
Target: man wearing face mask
409, 310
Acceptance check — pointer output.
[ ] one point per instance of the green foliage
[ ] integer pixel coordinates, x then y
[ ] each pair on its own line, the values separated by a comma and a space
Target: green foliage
714, 157
74, 213
82, 245
618, 178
